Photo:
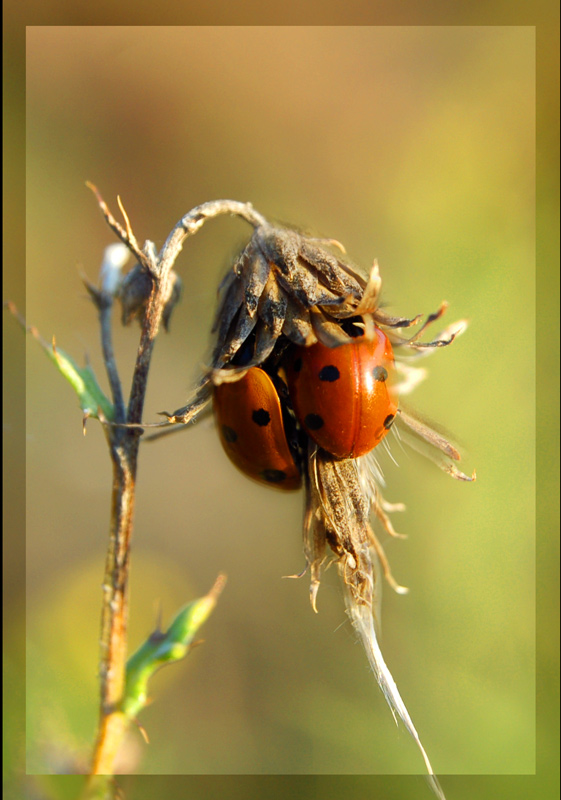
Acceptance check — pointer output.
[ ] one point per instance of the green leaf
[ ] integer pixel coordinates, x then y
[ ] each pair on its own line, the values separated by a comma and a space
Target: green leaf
162, 648
83, 381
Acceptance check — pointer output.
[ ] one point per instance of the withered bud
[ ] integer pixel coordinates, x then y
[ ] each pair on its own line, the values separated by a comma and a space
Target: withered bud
135, 291
110, 274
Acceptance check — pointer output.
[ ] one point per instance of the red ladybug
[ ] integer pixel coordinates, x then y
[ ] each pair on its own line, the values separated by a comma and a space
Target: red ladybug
343, 396
251, 426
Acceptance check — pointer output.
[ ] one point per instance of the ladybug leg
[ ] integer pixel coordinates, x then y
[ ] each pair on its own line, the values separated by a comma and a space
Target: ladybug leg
379, 550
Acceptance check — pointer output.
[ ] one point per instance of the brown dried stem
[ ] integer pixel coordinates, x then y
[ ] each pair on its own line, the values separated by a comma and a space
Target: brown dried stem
123, 444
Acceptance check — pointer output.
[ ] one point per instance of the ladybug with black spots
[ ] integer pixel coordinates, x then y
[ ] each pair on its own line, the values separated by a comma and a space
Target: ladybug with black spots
344, 397
255, 429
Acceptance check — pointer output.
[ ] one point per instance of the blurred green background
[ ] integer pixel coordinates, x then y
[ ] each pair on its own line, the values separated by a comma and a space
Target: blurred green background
412, 145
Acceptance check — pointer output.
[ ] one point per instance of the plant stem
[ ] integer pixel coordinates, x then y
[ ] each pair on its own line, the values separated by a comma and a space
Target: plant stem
112, 722
123, 444
106, 307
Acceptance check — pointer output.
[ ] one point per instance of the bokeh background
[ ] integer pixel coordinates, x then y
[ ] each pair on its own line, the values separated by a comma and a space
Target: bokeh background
413, 145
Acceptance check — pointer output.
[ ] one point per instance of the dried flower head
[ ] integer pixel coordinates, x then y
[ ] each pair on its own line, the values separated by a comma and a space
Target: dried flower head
287, 291
287, 284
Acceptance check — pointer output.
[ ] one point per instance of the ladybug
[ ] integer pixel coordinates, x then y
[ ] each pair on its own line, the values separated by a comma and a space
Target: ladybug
343, 396
252, 425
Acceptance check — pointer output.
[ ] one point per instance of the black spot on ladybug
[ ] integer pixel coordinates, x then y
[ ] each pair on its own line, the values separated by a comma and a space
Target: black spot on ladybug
261, 417
313, 422
229, 434
329, 373
388, 422
297, 366
273, 475
380, 373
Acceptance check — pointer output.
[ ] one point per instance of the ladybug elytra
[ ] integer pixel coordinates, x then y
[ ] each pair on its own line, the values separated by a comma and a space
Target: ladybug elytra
252, 429
343, 396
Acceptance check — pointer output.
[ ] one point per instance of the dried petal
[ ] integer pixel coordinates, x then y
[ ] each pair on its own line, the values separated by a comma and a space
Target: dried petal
331, 271
228, 375
431, 318
297, 325
429, 435
272, 306
395, 322
231, 296
328, 332
199, 401
342, 514
279, 245
299, 282
410, 376
265, 340
242, 327
253, 270
369, 300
